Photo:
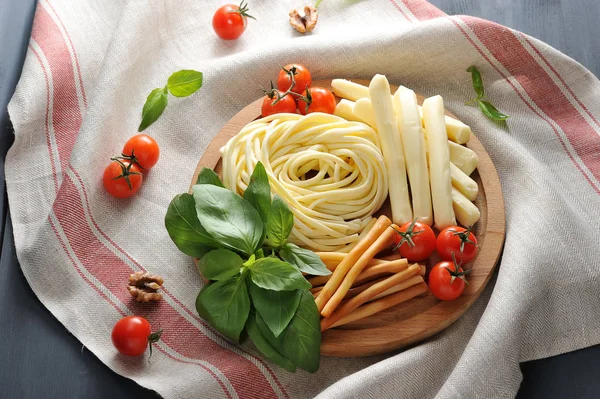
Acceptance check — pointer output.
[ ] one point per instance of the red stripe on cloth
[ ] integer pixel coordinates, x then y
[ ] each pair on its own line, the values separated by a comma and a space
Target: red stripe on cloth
73, 51
66, 115
566, 86
79, 271
423, 10
480, 51
404, 14
114, 305
179, 334
539, 86
47, 124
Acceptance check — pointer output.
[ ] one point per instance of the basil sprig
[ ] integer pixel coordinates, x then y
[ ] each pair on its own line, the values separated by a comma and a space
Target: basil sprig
256, 277
180, 84
486, 107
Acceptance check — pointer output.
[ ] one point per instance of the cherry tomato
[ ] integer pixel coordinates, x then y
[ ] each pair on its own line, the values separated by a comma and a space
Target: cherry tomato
302, 78
229, 21
286, 104
122, 179
415, 241
132, 334
316, 99
447, 280
144, 148
457, 240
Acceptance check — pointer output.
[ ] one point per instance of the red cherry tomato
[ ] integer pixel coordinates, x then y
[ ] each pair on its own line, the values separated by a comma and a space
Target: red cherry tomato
316, 99
229, 21
415, 241
132, 334
447, 281
144, 148
287, 104
302, 78
122, 179
457, 240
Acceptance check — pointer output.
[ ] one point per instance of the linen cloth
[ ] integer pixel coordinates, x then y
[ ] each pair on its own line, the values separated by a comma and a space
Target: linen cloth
90, 66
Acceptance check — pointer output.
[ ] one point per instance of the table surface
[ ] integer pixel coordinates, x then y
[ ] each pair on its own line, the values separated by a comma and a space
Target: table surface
42, 359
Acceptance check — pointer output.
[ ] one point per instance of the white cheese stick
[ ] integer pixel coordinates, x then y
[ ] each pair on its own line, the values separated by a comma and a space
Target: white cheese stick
456, 130
363, 110
345, 109
463, 183
439, 162
413, 142
464, 158
466, 211
349, 90
391, 146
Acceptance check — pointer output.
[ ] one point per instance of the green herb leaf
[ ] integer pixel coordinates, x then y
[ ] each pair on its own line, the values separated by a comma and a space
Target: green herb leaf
274, 274
265, 347
304, 259
477, 82
485, 106
258, 192
184, 82
220, 264
301, 340
275, 307
228, 218
280, 221
225, 305
490, 111
208, 176
185, 229
153, 108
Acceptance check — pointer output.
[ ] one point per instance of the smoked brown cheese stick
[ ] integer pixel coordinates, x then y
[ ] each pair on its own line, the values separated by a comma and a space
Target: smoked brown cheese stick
368, 294
375, 268
382, 242
383, 223
382, 304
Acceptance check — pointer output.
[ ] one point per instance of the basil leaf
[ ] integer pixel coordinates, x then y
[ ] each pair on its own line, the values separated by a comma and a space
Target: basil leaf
490, 111
185, 229
225, 305
228, 218
153, 108
258, 192
220, 264
274, 274
477, 82
304, 260
208, 176
301, 340
260, 253
275, 307
265, 347
184, 82
280, 221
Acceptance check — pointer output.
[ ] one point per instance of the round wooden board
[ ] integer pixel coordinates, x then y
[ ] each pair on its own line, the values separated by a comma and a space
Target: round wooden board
420, 317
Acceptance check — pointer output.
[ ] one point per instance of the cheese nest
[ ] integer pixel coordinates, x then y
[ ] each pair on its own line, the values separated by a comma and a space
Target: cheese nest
330, 172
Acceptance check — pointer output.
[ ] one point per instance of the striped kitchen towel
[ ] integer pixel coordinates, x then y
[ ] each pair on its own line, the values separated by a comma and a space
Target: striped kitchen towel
91, 64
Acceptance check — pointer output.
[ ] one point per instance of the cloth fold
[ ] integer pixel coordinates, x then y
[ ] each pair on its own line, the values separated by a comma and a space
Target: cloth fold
90, 66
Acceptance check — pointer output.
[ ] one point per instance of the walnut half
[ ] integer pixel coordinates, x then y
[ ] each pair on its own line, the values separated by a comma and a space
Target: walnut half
305, 23
143, 286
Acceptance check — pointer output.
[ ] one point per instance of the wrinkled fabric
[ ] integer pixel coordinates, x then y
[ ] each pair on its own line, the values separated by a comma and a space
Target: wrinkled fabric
90, 66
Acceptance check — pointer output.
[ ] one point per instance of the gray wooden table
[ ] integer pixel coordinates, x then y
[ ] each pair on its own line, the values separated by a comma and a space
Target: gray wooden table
40, 359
